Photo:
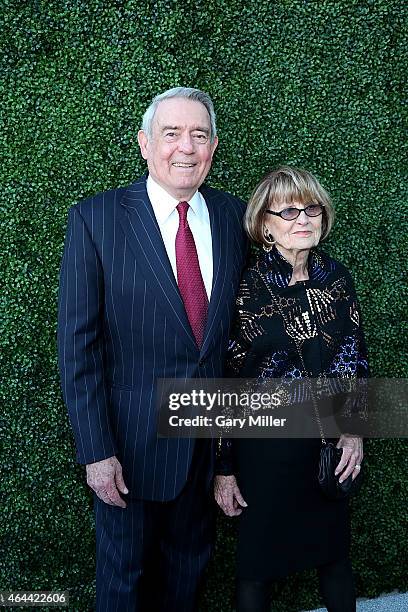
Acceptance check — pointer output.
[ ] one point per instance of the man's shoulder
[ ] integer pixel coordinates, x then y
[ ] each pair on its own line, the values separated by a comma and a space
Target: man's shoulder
104, 205
101, 202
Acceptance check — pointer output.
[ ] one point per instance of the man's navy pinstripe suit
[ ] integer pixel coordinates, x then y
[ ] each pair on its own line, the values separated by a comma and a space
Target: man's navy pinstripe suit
122, 324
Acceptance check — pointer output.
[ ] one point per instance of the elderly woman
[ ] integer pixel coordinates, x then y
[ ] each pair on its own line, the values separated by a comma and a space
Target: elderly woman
292, 295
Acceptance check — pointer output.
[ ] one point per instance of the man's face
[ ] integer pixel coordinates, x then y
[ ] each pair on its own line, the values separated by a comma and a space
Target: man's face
179, 152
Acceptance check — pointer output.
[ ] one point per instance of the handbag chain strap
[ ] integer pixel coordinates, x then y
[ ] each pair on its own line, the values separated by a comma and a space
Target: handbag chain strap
297, 344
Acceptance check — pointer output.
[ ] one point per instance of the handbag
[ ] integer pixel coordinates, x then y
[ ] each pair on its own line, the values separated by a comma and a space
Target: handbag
329, 483
330, 456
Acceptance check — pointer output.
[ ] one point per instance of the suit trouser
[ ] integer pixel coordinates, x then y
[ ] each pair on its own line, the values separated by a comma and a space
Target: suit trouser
151, 555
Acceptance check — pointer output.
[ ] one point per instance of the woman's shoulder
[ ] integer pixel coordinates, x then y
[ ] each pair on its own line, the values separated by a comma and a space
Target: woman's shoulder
327, 261
322, 262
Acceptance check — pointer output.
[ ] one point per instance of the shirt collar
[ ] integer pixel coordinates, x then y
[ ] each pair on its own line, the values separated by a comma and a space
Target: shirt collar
164, 204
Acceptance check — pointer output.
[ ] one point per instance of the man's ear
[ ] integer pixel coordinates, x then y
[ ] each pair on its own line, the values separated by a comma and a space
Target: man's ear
143, 143
214, 145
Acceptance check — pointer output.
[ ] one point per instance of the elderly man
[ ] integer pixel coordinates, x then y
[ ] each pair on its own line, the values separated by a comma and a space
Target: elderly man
148, 282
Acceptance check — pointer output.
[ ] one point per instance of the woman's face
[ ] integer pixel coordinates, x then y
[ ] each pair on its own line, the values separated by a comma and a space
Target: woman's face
299, 234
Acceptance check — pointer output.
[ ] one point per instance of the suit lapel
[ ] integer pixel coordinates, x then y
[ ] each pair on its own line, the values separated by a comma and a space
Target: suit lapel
142, 231
222, 261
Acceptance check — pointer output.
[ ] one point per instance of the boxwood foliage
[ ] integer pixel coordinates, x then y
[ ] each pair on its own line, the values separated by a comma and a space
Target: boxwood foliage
317, 83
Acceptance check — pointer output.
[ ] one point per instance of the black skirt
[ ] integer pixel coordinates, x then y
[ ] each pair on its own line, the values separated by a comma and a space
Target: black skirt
288, 525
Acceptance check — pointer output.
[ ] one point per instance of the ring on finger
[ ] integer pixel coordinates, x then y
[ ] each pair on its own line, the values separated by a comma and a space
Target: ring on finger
357, 466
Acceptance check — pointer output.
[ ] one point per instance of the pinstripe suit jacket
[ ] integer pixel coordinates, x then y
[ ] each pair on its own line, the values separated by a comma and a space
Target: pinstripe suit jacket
122, 324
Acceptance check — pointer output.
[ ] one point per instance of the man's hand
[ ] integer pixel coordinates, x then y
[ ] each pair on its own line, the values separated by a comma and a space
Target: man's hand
228, 495
352, 456
105, 478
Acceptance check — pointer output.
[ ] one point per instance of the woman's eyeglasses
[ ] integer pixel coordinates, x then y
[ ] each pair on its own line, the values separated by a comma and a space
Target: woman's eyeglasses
290, 214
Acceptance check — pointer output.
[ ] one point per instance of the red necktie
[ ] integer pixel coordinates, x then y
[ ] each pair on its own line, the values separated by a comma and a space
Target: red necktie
190, 281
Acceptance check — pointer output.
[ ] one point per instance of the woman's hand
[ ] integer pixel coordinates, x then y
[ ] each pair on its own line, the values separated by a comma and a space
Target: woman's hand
352, 456
228, 495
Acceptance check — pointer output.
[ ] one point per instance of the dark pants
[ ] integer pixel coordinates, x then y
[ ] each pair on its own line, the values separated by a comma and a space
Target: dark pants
151, 555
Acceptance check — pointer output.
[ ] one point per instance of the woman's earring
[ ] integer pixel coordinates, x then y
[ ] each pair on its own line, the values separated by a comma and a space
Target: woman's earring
269, 239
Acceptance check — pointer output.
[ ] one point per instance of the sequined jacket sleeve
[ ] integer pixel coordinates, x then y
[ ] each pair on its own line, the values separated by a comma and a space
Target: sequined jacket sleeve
356, 405
362, 368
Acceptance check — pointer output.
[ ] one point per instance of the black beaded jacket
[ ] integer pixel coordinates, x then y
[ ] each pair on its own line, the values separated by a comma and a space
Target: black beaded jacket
321, 315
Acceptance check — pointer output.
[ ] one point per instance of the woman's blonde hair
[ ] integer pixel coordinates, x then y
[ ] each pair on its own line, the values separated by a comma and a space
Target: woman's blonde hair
285, 184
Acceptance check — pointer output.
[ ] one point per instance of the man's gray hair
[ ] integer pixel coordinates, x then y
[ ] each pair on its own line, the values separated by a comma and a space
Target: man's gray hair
179, 92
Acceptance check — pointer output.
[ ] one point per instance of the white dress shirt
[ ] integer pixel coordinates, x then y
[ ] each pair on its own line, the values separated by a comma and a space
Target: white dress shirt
164, 207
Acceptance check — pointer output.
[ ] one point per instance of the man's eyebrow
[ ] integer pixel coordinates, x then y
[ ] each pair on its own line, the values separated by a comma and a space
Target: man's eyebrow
199, 128
195, 128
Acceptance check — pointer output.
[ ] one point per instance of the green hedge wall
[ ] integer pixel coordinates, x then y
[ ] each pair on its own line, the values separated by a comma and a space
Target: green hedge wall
319, 84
